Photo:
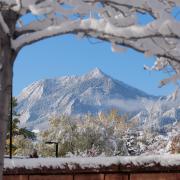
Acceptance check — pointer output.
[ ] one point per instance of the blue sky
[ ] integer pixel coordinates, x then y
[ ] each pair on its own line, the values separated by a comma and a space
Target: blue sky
67, 55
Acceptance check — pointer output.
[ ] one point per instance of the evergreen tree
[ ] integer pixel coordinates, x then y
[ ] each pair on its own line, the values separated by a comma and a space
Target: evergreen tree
16, 131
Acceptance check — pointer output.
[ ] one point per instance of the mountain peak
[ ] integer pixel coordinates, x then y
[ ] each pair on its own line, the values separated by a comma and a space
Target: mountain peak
96, 72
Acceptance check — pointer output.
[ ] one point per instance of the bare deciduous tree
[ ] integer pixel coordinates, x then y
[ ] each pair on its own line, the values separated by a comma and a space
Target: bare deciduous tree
116, 21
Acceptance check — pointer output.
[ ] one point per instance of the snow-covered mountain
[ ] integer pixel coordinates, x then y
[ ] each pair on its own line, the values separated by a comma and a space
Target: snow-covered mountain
161, 115
76, 95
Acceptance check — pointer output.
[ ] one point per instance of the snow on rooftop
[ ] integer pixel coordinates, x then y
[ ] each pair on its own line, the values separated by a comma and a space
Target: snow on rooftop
93, 162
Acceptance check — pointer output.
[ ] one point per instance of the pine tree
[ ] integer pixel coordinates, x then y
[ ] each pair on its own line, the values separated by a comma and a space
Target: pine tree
17, 132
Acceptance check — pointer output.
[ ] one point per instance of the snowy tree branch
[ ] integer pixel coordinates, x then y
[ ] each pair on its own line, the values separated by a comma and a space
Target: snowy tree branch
116, 21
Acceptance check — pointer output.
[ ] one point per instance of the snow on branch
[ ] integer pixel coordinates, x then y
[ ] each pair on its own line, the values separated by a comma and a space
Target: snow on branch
116, 21
50, 31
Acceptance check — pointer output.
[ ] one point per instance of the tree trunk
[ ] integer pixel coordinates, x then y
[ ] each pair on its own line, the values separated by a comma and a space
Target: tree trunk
7, 57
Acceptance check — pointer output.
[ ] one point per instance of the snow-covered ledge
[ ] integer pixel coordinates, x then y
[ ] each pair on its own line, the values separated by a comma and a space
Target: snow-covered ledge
153, 163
